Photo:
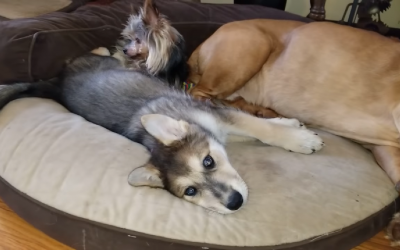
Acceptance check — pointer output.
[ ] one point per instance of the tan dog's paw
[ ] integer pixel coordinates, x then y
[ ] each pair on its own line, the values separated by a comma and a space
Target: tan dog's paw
393, 230
265, 113
302, 141
292, 122
101, 51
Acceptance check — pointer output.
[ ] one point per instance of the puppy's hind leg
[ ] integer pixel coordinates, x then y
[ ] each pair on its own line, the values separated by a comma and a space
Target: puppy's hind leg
285, 135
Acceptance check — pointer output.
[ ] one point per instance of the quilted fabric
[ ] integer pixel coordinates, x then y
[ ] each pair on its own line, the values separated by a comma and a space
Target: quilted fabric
61, 160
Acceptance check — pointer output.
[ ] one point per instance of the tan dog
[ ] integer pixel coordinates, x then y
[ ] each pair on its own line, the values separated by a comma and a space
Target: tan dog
340, 79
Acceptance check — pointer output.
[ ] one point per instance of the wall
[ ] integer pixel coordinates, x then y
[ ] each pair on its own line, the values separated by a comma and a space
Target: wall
335, 9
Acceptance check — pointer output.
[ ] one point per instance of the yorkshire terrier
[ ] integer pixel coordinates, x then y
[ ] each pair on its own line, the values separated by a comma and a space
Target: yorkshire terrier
150, 43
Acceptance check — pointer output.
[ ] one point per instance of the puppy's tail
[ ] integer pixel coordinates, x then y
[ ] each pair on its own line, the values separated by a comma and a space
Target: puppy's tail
43, 89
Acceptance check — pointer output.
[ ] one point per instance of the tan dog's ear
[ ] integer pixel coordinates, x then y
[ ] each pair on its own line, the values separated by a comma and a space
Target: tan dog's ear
150, 13
146, 175
166, 129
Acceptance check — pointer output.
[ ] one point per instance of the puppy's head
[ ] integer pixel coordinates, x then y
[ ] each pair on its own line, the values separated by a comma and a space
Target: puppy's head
149, 37
190, 164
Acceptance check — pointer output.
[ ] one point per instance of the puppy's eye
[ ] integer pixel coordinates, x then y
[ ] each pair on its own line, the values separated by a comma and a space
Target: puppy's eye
190, 191
137, 40
208, 162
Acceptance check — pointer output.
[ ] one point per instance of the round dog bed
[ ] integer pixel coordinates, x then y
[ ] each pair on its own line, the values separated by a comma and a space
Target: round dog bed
68, 177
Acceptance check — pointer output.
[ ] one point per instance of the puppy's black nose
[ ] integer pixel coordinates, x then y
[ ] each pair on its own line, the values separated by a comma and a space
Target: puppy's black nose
125, 51
235, 201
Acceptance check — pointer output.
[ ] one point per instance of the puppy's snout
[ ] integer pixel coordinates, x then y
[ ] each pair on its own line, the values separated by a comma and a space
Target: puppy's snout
125, 51
235, 201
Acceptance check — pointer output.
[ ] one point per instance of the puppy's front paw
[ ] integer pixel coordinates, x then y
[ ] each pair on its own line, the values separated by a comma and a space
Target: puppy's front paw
101, 51
303, 141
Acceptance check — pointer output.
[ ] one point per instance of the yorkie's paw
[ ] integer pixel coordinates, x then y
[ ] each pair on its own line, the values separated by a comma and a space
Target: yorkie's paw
302, 141
101, 51
288, 122
119, 56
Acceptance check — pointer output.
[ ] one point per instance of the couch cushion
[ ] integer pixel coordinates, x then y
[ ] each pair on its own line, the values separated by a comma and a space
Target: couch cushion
36, 48
26, 8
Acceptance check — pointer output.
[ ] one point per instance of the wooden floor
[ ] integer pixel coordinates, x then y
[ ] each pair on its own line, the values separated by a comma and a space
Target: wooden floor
16, 234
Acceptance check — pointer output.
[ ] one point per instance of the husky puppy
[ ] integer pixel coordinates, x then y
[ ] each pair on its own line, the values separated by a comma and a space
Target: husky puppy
184, 136
150, 43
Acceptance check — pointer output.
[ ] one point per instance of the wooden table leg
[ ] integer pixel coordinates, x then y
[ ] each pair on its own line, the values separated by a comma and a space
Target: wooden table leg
317, 10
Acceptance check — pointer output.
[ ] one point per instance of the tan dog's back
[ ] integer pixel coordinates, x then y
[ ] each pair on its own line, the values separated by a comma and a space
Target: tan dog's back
236, 49
347, 78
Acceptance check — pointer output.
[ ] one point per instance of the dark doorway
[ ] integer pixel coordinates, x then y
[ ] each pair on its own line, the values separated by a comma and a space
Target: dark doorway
277, 4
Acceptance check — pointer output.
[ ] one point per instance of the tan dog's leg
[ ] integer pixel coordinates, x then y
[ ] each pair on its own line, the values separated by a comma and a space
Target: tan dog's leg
223, 68
393, 230
389, 159
256, 110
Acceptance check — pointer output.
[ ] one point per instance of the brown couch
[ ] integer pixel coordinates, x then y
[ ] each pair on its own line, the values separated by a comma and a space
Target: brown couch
35, 48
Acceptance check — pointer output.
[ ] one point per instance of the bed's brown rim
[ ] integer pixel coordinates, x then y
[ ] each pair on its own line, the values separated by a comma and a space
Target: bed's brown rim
130, 233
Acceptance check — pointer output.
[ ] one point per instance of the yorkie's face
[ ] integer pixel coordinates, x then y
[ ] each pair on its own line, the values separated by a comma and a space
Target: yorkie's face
148, 38
135, 43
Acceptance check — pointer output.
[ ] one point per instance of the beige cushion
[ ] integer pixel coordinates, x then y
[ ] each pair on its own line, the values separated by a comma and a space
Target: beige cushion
77, 167
13, 9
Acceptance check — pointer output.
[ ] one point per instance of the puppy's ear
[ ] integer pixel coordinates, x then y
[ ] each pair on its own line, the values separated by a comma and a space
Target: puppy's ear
166, 129
146, 175
150, 13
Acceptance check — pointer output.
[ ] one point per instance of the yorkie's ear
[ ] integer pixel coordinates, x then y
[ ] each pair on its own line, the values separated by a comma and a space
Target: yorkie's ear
150, 13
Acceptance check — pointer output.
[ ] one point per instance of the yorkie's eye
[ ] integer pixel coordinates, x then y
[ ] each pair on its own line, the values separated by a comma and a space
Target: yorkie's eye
137, 40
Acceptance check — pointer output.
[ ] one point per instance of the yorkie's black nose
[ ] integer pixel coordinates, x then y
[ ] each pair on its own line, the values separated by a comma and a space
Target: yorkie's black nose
235, 201
125, 51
